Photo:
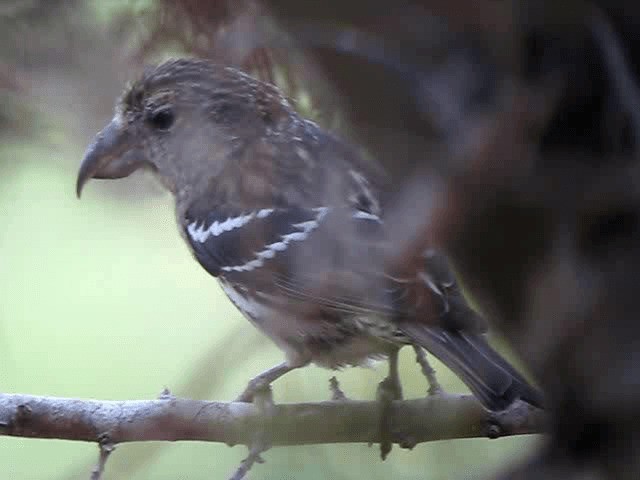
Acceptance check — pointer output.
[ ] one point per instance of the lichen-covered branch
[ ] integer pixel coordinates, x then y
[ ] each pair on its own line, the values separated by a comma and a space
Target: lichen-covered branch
436, 417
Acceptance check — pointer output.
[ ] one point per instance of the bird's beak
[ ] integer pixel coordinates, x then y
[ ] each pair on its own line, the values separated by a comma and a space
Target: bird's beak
114, 153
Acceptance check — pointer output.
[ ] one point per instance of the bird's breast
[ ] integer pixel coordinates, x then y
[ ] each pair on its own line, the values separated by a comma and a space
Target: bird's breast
328, 339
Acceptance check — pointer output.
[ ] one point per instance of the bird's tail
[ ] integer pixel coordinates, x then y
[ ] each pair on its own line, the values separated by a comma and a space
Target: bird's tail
490, 377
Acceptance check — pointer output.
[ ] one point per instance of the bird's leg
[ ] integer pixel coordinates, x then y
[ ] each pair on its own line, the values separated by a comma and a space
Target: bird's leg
389, 390
427, 371
263, 381
392, 382
337, 395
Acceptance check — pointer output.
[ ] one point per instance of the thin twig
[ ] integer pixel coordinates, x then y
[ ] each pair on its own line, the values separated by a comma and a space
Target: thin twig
263, 401
106, 447
246, 464
166, 394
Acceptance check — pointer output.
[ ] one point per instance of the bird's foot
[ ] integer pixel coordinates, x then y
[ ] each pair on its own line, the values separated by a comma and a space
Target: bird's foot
337, 395
263, 381
389, 390
254, 387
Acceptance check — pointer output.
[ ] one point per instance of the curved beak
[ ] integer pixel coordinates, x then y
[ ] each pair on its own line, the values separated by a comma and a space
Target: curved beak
114, 153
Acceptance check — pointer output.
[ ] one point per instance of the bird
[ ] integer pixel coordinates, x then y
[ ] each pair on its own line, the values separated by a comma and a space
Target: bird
291, 221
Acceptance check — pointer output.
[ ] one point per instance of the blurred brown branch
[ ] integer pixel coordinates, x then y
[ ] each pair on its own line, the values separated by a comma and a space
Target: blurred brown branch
437, 417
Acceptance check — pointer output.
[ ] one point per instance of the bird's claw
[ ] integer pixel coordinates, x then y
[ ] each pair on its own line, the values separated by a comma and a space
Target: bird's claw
262, 382
388, 391
337, 395
254, 388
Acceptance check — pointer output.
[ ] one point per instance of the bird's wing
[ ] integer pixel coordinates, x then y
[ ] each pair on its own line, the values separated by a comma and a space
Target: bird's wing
233, 243
327, 255
325, 246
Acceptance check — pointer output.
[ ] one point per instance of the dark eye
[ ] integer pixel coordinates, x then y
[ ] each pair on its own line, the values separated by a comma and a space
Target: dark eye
161, 119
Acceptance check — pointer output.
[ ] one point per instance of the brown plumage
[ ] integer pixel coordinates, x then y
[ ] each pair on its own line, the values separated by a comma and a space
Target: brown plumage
288, 218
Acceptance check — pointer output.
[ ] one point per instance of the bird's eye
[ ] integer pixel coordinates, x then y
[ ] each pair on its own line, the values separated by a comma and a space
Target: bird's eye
161, 119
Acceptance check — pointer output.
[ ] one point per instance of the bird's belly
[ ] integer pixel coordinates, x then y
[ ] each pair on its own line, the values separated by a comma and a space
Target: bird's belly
304, 338
265, 319
356, 351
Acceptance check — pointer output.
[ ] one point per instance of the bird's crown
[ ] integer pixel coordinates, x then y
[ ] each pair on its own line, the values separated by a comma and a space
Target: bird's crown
225, 93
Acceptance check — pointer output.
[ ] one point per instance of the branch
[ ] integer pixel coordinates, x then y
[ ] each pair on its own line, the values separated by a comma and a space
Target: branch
437, 417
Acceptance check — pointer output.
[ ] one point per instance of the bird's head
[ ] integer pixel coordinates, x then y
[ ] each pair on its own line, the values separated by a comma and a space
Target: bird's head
183, 119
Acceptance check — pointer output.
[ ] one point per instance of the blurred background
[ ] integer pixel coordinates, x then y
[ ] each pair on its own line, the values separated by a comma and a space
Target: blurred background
99, 298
